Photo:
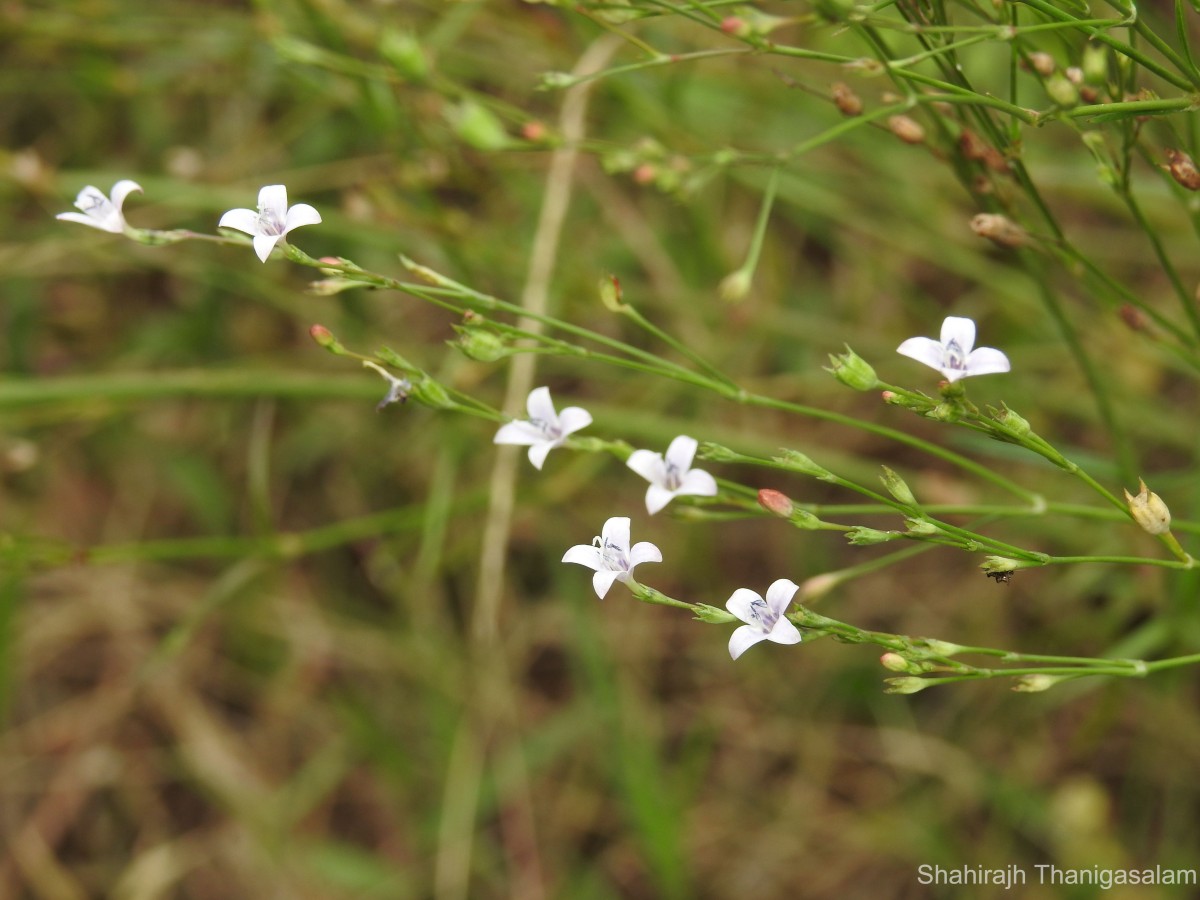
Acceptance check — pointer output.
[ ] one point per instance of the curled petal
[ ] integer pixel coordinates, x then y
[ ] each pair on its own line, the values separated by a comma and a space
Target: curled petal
540, 406
648, 464
644, 552
240, 219
780, 594
682, 451
123, 189
740, 604
743, 639
923, 350
602, 581
960, 330
272, 200
657, 497
573, 418
539, 452
301, 214
616, 532
584, 555
699, 483
987, 361
518, 433
264, 244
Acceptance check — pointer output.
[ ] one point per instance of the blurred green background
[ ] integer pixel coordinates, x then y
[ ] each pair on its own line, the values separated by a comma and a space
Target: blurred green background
241, 647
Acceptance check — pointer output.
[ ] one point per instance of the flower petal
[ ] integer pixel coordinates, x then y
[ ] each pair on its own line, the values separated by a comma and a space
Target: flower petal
584, 555
784, 632
644, 552
698, 482
923, 350
300, 214
657, 497
616, 532
518, 433
780, 594
90, 221
743, 639
538, 453
121, 190
573, 418
602, 581
264, 244
960, 330
987, 361
649, 465
540, 406
740, 603
272, 201
241, 219
681, 452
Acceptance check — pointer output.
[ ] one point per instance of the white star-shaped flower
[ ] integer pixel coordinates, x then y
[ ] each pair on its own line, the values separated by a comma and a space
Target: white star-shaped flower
610, 555
545, 429
673, 475
272, 221
98, 211
953, 355
764, 618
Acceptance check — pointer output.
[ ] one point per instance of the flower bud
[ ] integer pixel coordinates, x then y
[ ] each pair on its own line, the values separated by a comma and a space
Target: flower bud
1095, 63
1031, 684
894, 662
861, 536
1183, 169
897, 487
1060, 89
847, 102
324, 338
906, 684
1042, 63
403, 51
430, 393
907, 129
480, 344
712, 615
853, 371
610, 294
776, 503
1148, 510
1074, 75
477, 126
799, 462
998, 229
736, 285
1011, 421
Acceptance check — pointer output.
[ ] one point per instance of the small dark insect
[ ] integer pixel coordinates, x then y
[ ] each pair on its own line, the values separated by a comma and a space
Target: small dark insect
1001, 577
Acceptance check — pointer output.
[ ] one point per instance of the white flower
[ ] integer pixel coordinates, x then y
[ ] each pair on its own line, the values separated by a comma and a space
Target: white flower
100, 212
398, 388
673, 475
764, 618
545, 429
272, 221
953, 355
610, 555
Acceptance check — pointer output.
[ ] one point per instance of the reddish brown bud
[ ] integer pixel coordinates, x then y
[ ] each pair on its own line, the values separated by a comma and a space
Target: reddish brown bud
1042, 63
846, 100
1134, 318
775, 503
322, 335
735, 26
908, 130
534, 132
1183, 169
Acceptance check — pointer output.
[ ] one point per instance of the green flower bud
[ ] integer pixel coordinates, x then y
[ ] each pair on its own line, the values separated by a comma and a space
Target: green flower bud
478, 126
430, 393
1095, 63
1011, 421
1060, 89
481, 344
610, 294
906, 684
798, 462
1031, 684
897, 487
861, 536
712, 615
853, 371
403, 50
324, 338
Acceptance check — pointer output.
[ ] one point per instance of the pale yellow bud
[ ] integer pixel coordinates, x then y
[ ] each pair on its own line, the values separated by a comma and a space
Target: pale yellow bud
1148, 510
